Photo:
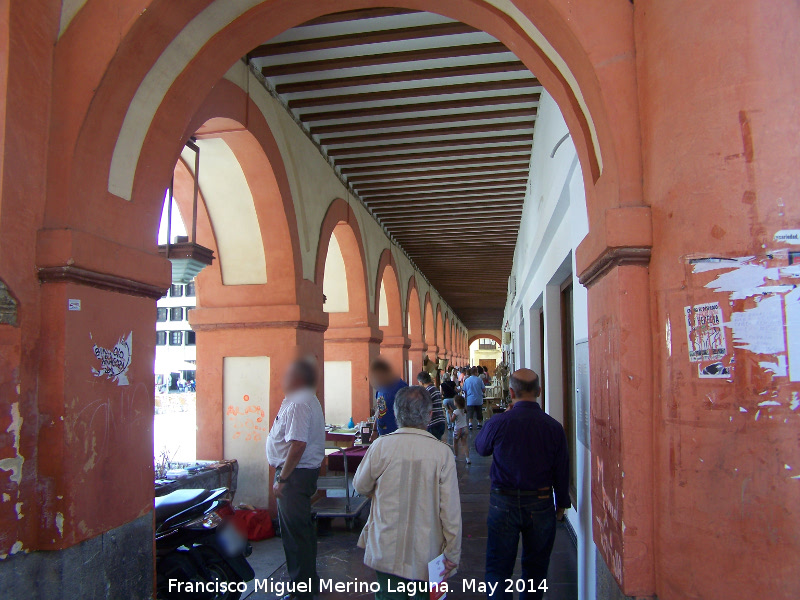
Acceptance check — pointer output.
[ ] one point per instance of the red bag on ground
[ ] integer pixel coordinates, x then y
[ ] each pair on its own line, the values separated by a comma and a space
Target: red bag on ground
255, 524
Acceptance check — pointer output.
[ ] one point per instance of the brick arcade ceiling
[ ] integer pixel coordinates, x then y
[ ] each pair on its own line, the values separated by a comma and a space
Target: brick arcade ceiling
431, 123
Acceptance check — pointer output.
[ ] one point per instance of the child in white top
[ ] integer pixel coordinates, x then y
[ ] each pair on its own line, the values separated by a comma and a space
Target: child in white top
461, 432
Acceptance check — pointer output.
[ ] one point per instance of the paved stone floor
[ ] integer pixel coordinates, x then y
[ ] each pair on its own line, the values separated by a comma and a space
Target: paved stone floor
340, 559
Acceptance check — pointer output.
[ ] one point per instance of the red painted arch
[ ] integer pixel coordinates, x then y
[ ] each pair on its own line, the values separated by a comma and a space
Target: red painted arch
341, 218
439, 328
484, 335
429, 321
387, 273
414, 309
127, 42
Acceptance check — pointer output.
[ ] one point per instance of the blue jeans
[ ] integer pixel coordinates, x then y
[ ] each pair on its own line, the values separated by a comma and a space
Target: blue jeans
509, 517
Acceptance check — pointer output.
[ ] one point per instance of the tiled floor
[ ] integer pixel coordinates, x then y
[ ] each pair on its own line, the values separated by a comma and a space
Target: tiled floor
339, 558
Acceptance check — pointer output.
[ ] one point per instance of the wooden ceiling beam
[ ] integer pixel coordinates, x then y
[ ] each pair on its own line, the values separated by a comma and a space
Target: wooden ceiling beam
297, 87
515, 113
453, 188
459, 163
434, 237
443, 105
424, 226
393, 221
362, 38
400, 222
374, 151
416, 198
460, 154
421, 211
420, 92
432, 176
385, 58
501, 237
430, 220
461, 178
372, 138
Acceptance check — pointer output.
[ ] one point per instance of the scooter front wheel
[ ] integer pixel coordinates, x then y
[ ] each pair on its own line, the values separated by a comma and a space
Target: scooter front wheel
200, 573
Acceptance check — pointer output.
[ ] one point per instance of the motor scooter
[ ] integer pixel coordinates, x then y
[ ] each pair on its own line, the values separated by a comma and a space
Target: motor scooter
200, 555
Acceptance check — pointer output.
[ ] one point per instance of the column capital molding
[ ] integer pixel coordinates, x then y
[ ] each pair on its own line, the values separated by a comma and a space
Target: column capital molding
292, 316
396, 341
350, 335
624, 236
72, 256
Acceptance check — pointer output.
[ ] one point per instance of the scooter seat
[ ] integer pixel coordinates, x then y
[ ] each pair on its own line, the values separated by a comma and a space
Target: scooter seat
178, 501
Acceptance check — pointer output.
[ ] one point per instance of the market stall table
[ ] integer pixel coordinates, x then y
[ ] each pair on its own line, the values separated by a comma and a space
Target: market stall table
355, 455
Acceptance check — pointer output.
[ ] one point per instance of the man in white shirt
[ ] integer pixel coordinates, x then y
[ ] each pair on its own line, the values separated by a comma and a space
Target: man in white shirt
296, 448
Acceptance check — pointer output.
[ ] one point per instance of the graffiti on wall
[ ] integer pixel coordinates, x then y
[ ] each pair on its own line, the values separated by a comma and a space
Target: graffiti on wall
114, 362
247, 421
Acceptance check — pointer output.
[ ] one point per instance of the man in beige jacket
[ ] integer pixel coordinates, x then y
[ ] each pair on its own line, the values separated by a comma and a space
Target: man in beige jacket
416, 510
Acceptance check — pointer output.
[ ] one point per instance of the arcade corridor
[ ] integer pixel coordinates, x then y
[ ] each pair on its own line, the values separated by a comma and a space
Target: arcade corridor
195, 195
341, 560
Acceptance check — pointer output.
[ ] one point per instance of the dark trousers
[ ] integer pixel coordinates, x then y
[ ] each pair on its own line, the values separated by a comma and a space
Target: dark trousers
509, 517
437, 430
475, 412
298, 533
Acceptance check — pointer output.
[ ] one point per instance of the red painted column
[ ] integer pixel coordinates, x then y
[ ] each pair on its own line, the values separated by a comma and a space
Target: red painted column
720, 170
95, 385
360, 346
395, 349
415, 353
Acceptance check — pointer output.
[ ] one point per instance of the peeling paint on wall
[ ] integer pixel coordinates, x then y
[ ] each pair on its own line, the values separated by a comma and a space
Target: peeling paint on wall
760, 329
792, 308
14, 464
764, 306
8, 306
60, 524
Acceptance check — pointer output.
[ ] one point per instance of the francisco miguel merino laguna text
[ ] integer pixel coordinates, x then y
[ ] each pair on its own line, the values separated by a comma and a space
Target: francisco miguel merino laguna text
282, 588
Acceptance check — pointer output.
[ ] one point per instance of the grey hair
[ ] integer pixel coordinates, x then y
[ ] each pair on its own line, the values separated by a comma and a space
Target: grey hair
412, 407
305, 371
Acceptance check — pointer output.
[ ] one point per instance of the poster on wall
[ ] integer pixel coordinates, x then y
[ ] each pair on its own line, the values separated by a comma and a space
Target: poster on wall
114, 362
705, 332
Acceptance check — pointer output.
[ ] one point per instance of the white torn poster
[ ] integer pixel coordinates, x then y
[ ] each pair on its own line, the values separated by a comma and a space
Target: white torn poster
704, 332
792, 300
114, 363
778, 369
703, 265
788, 236
743, 280
760, 329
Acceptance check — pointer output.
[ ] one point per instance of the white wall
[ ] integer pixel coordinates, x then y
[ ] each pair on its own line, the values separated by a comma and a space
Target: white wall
554, 221
383, 307
246, 419
334, 280
338, 391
